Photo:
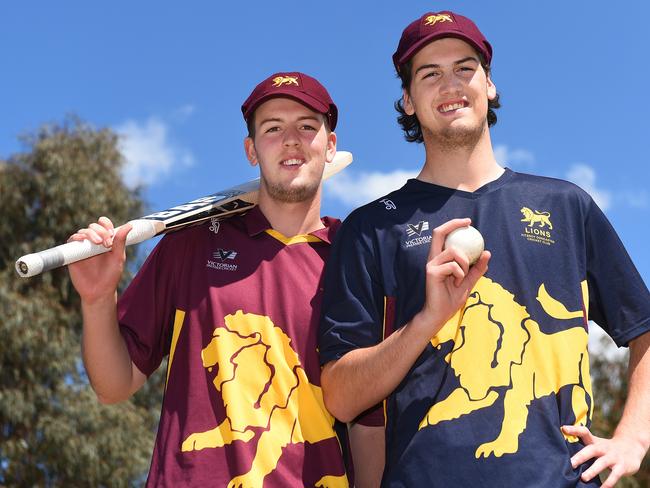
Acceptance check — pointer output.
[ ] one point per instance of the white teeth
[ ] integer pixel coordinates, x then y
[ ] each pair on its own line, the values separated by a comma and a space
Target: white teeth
292, 162
451, 106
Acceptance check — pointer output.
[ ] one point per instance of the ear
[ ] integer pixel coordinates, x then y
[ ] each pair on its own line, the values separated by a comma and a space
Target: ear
331, 147
251, 153
407, 103
491, 89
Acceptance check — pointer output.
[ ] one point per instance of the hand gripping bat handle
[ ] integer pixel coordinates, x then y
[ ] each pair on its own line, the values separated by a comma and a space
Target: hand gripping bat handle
35, 263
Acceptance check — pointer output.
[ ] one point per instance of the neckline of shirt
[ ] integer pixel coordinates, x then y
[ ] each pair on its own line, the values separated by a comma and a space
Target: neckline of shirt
416, 184
256, 223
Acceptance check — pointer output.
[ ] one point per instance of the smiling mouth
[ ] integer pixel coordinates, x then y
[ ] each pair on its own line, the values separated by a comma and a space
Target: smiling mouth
450, 107
292, 162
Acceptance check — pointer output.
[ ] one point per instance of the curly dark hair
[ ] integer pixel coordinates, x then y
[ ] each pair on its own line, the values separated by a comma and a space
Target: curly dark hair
410, 123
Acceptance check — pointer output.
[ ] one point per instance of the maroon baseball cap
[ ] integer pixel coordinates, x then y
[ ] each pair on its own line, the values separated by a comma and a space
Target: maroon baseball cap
299, 86
436, 25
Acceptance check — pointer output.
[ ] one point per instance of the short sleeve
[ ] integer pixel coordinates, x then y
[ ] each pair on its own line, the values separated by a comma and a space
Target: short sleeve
353, 299
618, 298
145, 310
373, 417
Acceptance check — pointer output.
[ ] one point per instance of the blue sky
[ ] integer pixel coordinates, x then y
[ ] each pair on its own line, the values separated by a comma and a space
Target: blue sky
171, 76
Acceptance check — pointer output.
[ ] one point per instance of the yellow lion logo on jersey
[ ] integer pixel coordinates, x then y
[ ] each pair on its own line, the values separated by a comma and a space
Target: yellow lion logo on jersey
262, 384
536, 217
497, 344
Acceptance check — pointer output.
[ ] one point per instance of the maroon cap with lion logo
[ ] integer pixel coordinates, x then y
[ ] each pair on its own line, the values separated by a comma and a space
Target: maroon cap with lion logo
436, 25
299, 86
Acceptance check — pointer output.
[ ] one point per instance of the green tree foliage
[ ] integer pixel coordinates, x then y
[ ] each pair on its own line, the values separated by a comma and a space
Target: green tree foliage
53, 431
609, 382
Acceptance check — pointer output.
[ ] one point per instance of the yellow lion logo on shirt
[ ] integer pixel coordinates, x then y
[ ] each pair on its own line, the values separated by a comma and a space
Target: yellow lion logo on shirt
262, 384
536, 217
497, 344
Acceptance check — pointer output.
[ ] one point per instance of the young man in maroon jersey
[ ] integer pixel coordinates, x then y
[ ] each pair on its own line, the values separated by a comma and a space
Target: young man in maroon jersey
235, 304
485, 372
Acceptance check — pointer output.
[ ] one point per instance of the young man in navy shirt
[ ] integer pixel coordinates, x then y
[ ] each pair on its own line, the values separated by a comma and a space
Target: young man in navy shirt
485, 373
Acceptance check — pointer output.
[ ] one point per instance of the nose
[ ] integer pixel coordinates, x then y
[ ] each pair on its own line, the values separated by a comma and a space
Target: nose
291, 137
450, 84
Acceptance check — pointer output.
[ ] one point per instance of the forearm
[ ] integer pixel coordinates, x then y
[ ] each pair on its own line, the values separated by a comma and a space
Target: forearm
105, 354
364, 377
368, 447
635, 421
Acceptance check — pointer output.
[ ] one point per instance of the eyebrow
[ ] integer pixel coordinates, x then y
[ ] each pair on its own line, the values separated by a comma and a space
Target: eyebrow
278, 119
460, 61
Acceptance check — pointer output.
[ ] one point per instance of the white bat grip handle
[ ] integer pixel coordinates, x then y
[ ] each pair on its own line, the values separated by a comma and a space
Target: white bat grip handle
36, 263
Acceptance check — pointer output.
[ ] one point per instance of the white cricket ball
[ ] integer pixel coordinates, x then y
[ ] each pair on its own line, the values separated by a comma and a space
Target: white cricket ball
468, 240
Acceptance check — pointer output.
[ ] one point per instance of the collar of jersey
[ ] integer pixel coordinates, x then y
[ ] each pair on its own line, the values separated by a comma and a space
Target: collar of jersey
256, 223
416, 184
287, 241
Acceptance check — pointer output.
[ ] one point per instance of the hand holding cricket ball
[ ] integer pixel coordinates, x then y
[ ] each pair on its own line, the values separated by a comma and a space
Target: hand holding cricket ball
456, 262
467, 240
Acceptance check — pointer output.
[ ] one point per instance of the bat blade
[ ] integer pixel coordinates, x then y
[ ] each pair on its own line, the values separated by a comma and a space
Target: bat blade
219, 205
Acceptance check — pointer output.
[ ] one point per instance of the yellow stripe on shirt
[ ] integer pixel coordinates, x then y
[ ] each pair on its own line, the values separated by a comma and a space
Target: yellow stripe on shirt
287, 241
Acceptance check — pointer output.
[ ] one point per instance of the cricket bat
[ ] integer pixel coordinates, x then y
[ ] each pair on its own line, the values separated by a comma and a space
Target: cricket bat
219, 205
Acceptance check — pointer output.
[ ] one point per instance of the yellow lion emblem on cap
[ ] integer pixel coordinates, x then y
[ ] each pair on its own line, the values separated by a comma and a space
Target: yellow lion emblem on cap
433, 19
262, 385
285, 80
536, 217
497, 344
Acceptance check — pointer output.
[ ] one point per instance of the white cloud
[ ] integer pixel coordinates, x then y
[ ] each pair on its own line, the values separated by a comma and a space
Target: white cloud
585, 177
517, 159
360, 188
636, 199
148, 151
184, 112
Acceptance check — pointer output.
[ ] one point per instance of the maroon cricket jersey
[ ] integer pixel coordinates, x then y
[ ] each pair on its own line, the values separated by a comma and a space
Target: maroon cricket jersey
236, 307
